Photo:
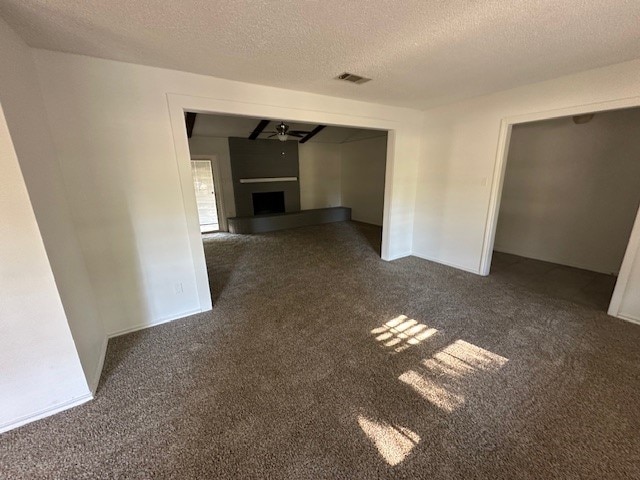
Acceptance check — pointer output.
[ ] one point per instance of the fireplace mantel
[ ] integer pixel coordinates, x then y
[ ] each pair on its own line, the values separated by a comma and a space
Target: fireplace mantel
268, 179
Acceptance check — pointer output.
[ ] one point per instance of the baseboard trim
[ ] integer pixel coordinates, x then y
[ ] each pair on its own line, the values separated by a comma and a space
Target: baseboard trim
628, 318
93, 385
448, 264
47, 412
144, 326
397, 257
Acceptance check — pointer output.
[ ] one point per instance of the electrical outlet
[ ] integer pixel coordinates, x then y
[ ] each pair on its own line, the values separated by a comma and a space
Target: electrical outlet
178, 288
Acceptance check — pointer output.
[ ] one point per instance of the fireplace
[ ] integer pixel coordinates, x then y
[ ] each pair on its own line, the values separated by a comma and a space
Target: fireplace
268, 202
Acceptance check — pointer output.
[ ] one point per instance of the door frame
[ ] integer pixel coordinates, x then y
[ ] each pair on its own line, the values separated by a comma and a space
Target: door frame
630, 255
497, 185
217, 186
178, 104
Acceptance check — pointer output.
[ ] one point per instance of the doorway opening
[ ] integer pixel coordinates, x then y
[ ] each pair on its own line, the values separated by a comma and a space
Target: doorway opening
279, 175
185, 113
568, 205
298, 173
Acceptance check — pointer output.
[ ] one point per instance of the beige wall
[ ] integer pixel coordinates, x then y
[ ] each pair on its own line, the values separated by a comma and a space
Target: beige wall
363, 177
320, 175
571, 192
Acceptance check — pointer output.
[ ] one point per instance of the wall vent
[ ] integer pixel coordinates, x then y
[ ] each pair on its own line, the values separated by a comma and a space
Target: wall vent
350, 77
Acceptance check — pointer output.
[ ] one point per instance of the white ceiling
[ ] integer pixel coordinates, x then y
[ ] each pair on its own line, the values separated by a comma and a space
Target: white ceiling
232, 126
419, 52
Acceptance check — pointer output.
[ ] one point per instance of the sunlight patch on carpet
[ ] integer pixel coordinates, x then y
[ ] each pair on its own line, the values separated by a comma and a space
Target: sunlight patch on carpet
441, 379
394, 443
402, 332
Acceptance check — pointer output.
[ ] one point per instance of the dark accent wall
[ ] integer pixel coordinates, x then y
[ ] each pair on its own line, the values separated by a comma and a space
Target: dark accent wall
259, 159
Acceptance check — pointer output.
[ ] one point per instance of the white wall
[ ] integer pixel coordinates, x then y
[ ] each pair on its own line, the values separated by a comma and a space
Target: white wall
200, 145
363, 176
44, 287
571, 192
40, 367
319, 175
26, 117
460, 148
113, 133
38, 359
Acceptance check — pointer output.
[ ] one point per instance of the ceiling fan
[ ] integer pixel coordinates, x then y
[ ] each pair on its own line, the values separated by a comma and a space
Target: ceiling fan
283, 133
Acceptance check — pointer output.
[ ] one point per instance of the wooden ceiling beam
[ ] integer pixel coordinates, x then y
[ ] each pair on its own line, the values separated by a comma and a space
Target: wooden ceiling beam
258, 130
312, 133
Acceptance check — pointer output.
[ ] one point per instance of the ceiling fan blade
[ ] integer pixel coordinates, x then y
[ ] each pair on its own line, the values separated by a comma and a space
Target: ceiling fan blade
303, 132
274, 135
295, 135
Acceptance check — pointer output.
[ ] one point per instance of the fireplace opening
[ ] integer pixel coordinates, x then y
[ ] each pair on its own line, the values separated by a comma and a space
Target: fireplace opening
268, 202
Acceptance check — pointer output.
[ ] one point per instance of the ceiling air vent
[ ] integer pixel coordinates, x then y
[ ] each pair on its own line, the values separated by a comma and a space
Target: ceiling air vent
350, 77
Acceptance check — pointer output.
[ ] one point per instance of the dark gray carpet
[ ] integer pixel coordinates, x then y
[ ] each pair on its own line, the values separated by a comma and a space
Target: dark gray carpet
319, 360
588, 288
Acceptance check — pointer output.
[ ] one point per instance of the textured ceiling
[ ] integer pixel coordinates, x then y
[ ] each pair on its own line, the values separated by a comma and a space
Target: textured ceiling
234, 126
419, 52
